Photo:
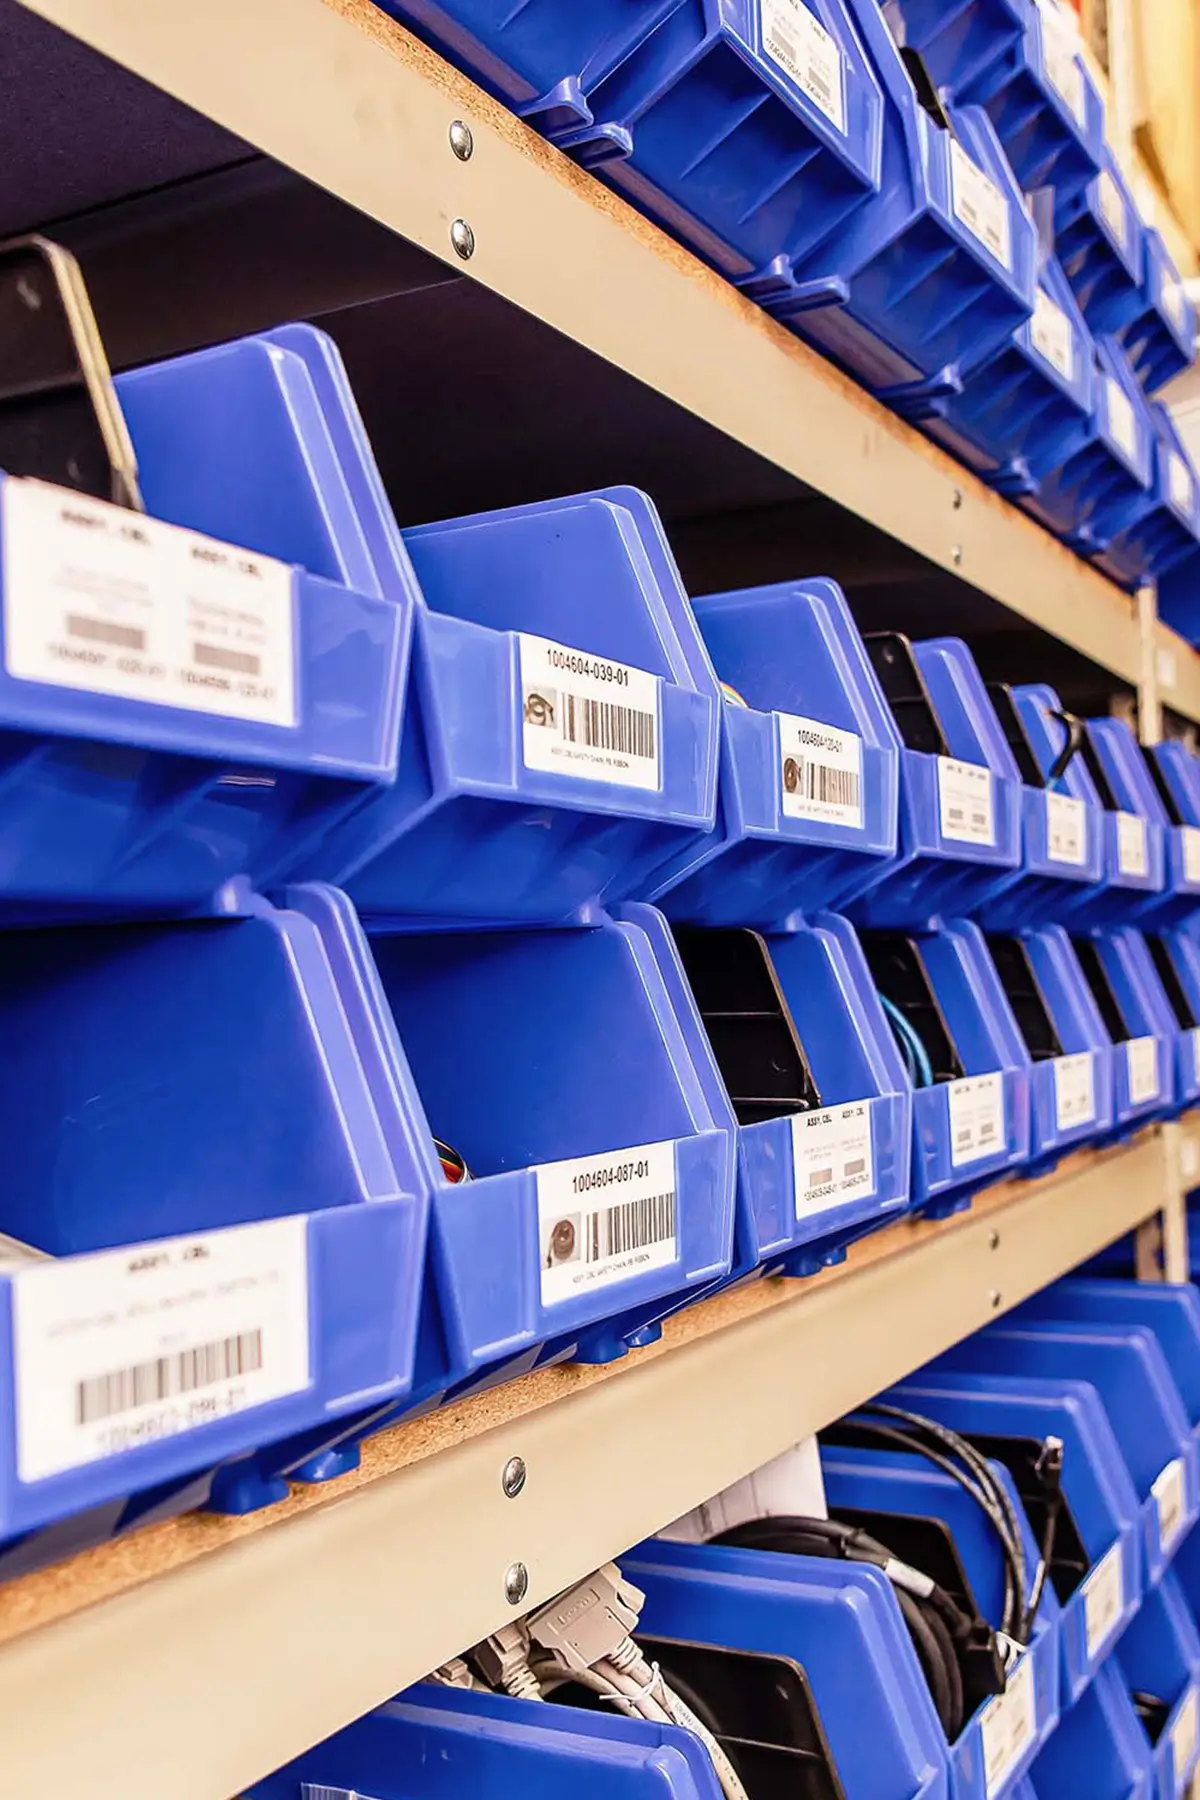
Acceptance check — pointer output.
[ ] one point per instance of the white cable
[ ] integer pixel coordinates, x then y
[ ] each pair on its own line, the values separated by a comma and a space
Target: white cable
629, 1667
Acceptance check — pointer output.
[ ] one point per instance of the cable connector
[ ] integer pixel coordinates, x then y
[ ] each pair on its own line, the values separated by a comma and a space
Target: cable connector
503, 1662
454, 1673
587, 1623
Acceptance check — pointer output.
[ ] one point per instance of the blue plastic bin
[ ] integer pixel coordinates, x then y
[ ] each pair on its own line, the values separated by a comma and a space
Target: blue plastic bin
1099, 1751
560, 740
1174, 772
808, 1179
840, 1622
181, 713
1171, 1311
1161, 338
1137, 1016
1159, 1657
933, 275
971, 1093
1139, 859
1065, 833
1003, 1736
751, 132
1126, 1365
1086, 498
960, 790
253, 1277
1071, 1067
1161, 530
1096, 1565
1100, 241
439, 1743
1023, 61
1028, 407
809, 765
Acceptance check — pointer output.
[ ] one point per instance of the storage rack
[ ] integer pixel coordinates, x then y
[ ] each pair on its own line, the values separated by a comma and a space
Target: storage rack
184, 1661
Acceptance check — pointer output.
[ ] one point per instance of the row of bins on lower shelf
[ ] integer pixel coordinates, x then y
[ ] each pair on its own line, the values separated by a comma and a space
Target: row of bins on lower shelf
815, 1670
450, 951
924, 193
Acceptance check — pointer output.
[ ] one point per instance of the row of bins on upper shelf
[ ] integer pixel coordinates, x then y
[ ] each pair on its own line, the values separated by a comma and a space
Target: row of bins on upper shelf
836, 930
924, 193
814, 1676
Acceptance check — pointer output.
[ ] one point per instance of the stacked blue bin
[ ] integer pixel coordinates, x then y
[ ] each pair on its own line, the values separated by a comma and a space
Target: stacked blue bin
887, 1492
1066, 862
184, 715
804, 1067
960, 833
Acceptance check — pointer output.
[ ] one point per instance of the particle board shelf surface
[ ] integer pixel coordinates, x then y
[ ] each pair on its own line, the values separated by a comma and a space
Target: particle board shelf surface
192, 1657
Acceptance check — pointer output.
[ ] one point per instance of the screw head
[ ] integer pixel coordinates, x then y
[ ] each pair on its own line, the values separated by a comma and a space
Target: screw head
994, 1298
956, 556
516, 1583
463, 239
993, 1240
461, 141
512, 1479
958, 499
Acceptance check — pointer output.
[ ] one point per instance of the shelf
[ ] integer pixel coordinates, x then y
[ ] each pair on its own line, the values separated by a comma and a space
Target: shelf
191, 1658
358, 106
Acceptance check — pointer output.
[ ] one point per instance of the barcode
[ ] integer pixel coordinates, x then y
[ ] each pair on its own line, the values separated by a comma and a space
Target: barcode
957, 814
164, 1377
963, 1136
820, 1178
854, 1168
101, 631
630, 1226
316, 1790
602, 726
212, 656
828, 783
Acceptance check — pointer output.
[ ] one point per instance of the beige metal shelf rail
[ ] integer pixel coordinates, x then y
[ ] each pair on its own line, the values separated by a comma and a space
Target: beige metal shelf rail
195, 1656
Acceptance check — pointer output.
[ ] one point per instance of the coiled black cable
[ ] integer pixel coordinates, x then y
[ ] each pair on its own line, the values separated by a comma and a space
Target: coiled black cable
941, 1630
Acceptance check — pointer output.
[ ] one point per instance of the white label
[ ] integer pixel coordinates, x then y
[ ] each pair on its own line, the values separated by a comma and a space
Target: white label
831, 1156
1074, 1094
1060, 57
1103, 1600
976, 1118
965, 801
1191, 853
1133, 857
1179, 482
979, 203
588, 716
1122, 421
1053, 338
802, 47
1184, 1734
118, 1349
605, 1218
1066, 830
820, 771
1008, 1725
1112, 205
1173, 302
108, 601
1141, 1055
1170, 1498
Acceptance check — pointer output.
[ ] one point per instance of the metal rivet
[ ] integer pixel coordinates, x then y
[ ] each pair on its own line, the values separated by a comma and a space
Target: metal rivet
993, 1240
516, 1583
461, 141
463, 239
958, 498
994, 1298
956, 556
513, 1478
